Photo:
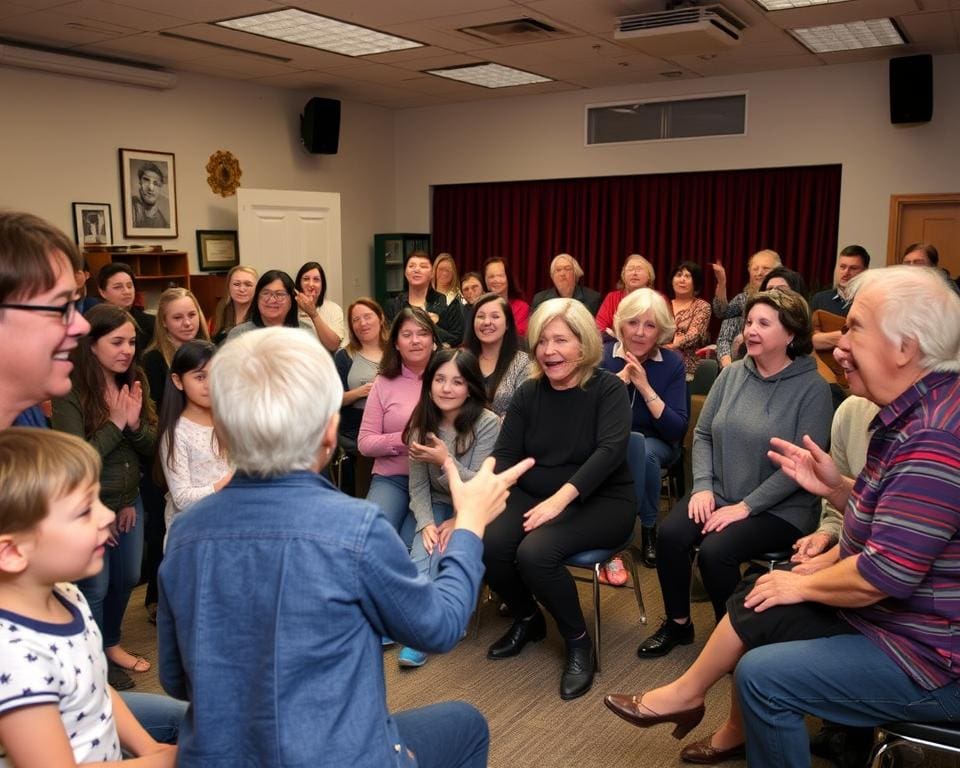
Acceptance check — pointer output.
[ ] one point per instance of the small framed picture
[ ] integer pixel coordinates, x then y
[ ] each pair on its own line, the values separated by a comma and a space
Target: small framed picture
148, 185
217, 249
92, 224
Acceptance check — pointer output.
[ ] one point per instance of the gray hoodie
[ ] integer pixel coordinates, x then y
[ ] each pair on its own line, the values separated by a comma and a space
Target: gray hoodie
730, 443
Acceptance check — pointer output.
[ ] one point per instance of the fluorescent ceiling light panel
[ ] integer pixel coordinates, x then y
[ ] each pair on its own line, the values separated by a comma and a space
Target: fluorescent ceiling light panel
489, 75
782, 5
295, 26
871, 33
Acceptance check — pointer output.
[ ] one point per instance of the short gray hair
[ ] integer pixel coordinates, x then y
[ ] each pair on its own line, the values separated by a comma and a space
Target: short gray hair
273, 391
637, 303
917, 303
577, 269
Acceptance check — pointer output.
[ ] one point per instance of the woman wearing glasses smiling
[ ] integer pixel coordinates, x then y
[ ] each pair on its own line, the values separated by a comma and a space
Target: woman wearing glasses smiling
274, 305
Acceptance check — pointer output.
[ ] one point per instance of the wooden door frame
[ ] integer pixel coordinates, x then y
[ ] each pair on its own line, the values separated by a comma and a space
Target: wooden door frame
897, 204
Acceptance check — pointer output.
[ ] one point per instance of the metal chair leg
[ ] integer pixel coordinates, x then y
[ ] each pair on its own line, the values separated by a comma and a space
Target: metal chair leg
596, 615
635, 578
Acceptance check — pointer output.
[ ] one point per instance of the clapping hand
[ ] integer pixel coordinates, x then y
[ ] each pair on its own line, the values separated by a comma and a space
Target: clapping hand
134, 405
306, 303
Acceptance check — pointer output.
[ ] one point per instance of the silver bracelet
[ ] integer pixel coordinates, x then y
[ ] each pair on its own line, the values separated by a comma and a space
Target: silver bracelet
655, 397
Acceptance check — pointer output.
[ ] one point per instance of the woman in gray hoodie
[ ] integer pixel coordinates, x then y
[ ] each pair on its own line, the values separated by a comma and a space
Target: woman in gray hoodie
741, 504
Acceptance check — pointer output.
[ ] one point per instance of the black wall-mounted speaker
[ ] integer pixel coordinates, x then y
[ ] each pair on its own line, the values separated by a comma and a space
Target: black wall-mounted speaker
911, 89
320, 126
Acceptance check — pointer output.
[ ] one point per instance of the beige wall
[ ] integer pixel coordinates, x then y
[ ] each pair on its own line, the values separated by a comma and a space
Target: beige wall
60, 137
835, 114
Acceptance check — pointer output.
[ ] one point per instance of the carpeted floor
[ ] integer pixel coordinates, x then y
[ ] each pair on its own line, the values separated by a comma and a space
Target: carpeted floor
530, 725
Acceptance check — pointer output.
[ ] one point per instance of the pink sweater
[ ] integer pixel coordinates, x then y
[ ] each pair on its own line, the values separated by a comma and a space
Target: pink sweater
388, 409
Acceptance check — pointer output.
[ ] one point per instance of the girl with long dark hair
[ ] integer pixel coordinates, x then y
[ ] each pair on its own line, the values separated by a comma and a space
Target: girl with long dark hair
492, 337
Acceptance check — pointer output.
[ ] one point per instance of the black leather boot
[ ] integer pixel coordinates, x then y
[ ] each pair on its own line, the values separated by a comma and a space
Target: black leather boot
648, 546
578, 675
522, 631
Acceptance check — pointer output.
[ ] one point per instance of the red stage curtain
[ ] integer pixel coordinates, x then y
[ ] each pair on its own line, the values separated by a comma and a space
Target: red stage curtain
703, 216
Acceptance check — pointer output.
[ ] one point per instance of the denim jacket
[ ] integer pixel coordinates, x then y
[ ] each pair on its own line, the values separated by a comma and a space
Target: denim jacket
274, 595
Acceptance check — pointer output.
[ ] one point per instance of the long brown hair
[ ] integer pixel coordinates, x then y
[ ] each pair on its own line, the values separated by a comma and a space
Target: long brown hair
225, 314
353, 344
88, 377
161, 336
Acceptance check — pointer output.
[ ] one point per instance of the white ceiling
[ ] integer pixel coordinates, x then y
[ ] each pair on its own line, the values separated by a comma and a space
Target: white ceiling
179, 35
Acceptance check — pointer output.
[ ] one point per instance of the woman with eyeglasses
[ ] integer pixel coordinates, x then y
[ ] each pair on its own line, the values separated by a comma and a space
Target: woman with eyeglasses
637, 273
234, 308
742, 504
274, 306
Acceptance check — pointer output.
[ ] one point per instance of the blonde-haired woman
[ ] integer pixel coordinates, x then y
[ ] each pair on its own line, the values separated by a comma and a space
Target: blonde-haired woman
235, 306
732, 312
446, 279
575, 421
637, 273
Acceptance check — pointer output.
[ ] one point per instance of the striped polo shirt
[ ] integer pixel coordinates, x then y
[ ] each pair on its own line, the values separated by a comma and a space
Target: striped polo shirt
903, 518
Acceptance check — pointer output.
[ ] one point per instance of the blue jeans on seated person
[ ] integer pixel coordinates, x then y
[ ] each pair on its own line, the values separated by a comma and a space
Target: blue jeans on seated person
160, 716
646, 457
846, 679
392, 494
427, 565
452, 734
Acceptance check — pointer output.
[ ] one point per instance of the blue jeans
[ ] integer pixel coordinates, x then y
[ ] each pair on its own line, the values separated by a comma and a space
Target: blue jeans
108, 592
846, 679
428, 565
646, 456
452, 734
392, 494
160, 716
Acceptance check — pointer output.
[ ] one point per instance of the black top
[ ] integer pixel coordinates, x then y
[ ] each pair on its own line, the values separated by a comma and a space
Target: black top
157, 372
830, 301
587, 296
576, 435
450, 324
145, 323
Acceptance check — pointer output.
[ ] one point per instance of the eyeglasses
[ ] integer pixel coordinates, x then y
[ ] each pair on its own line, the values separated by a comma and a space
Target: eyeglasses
277, 296
67, 311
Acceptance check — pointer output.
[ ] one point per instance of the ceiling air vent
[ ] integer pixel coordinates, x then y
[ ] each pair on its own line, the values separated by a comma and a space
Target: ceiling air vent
689, 30
515, 31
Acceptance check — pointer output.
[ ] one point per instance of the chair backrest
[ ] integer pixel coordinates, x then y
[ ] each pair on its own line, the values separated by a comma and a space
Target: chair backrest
706, 373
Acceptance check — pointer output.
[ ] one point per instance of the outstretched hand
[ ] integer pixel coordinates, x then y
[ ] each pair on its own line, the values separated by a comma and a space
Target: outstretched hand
479, 500
809, 466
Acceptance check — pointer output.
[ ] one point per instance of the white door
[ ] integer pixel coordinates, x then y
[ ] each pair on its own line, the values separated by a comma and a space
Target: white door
282, 229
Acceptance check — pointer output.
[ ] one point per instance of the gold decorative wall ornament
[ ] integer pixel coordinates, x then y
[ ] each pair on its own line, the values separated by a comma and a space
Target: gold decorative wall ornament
224, 173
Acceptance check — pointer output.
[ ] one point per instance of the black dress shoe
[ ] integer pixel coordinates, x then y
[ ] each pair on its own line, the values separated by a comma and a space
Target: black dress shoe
521, 632
118, 678
578, 675
661, 642
648, 546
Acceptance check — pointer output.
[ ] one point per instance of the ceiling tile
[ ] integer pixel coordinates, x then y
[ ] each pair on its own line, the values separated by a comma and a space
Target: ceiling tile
936, 28
379, 15
208, 10
245, 66
840, 13
55, 29
134, 18
598, 17
719, 67
149, 47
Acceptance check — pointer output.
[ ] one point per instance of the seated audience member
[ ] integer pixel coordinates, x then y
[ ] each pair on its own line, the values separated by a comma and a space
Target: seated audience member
496, 281
321, 313
779, 279
742, 505
574, 420
853, 635
921, 255
390, 402
852, 260
307, 686
450, 421
85, 301
732, 312
358, 364
492, 337
445, 278
471, 287
448, 318
274, 306
637, 273
566, 274
53, 530
691, 315
234, 307
656, 384
118, 287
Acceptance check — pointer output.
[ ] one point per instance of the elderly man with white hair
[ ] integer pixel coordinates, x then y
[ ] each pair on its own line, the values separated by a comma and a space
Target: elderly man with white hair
566, 274
866, 632
275, 591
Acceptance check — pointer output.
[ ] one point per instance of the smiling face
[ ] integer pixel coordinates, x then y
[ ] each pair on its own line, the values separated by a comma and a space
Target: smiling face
564, 277
365, 324
634, 275
415, 345
471, 290
444, 276
764, 334
448, 390
559, 353
490, 322
182, 320
683, 284
273, 301
68, 544
496, 278
311, 283
867, 356
119, 291
640, 335
418, 271
760, 264
115, 350
242, 285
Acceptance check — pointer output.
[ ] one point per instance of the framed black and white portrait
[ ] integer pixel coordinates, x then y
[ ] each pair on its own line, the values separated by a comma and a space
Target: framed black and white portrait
148, 184
92, 224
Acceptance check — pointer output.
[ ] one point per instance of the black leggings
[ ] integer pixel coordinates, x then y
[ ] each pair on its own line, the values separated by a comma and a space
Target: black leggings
720, 558
524, 568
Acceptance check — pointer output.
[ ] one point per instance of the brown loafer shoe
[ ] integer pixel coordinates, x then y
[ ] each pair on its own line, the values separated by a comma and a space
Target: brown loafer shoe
702, 752
633, 710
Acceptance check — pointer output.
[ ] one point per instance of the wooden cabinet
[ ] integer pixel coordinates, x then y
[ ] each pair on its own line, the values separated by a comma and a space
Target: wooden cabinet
155, 270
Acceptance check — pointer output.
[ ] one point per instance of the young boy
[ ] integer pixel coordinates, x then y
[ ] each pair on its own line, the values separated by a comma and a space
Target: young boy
56, 708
